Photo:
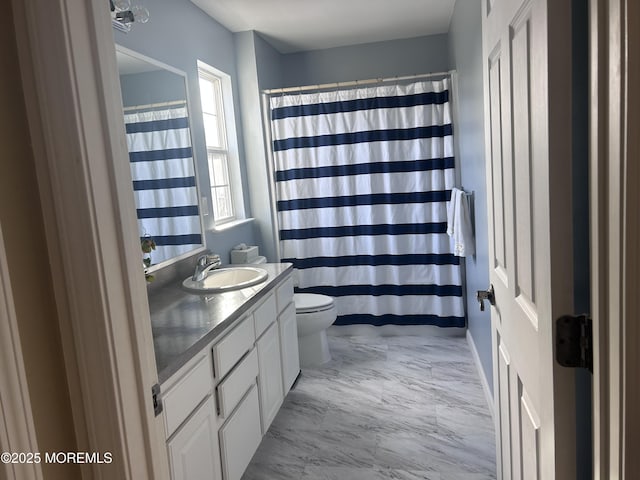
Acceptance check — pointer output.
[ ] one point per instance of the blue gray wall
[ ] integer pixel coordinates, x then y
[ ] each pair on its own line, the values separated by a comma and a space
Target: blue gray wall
249, 54
465, 54
178, 34
372, 60
266, 66
269, 64
151, 87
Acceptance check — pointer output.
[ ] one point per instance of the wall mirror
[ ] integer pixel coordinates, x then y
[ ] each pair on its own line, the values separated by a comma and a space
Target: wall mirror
161, 157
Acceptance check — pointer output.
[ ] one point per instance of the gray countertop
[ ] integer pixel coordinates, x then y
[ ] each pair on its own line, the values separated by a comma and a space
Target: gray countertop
183, 323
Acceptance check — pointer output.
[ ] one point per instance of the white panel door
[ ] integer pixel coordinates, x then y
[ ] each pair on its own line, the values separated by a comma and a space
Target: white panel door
527, 76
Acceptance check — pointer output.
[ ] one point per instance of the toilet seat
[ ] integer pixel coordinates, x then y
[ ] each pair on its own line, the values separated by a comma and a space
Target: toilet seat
312, 302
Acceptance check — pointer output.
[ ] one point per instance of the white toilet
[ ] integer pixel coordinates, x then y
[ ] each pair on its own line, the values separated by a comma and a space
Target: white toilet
314, 314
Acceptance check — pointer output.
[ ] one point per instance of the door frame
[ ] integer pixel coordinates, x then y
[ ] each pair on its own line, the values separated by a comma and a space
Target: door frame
72, 94
615, 234
69, 72
17, 430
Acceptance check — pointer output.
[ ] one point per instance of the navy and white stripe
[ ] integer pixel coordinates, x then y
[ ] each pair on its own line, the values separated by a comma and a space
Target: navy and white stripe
362, 180
164, 182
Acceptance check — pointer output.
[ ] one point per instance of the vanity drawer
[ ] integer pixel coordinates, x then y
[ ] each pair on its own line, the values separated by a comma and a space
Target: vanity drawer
284, 293
185, 395
232, 389
265, 315
232, 347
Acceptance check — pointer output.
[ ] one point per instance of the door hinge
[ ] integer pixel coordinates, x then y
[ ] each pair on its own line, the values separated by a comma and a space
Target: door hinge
157, 399
574, 341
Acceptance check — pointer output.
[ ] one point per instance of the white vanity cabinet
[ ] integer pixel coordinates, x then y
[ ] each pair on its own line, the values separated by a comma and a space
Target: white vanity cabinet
218, 406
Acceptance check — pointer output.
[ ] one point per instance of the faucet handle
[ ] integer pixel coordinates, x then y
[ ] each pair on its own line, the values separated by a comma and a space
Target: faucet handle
207, 259
204, 263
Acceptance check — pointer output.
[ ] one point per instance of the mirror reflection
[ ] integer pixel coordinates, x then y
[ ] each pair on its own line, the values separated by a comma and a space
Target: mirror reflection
155, 104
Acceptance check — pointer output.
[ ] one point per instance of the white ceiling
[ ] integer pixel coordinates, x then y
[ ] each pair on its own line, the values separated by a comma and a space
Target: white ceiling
298, 25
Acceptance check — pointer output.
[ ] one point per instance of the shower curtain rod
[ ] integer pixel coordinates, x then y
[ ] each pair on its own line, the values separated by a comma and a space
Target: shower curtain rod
354, 83
155, 105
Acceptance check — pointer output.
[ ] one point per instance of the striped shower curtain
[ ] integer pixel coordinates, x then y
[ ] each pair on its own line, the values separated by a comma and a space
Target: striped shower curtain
164, 181
362, 180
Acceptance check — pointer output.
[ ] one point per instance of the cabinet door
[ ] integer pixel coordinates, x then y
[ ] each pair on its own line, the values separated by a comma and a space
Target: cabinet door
270, 378
289, 346
240, 437
193, 451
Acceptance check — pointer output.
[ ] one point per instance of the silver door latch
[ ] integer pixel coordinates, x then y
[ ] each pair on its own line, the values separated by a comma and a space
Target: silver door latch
483, 295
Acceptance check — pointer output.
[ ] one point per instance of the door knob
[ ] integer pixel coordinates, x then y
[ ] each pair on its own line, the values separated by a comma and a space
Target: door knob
483, 295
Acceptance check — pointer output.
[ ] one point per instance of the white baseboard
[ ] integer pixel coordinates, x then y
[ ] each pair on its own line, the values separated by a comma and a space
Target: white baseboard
483, 379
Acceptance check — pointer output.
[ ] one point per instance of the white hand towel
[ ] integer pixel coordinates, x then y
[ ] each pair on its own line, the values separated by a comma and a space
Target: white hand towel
459, 224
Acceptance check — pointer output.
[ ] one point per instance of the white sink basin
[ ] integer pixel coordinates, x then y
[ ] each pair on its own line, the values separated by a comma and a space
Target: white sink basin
226, 279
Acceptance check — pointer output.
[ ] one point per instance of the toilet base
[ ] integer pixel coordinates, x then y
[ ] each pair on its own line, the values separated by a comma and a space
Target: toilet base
314, 349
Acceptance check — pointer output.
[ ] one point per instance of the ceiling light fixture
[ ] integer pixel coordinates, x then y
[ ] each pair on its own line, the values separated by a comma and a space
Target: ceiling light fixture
123, 14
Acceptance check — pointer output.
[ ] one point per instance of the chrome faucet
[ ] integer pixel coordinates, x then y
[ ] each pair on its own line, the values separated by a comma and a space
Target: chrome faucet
203, 265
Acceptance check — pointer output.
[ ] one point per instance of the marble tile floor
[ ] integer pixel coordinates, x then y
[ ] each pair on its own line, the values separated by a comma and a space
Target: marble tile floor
385, 408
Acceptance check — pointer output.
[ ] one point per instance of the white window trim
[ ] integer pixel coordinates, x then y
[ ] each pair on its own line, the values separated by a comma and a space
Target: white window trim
235, 177
231, 224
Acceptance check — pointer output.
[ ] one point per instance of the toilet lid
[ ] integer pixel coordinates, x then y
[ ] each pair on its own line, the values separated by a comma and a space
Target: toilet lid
311, 302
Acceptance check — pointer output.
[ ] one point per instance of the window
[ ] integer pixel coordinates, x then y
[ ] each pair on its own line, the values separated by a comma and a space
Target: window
219, 155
